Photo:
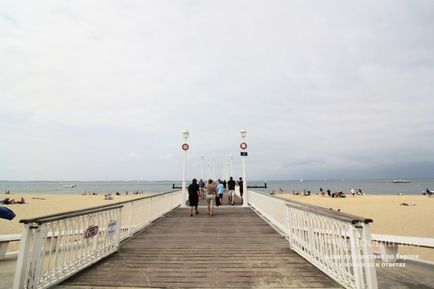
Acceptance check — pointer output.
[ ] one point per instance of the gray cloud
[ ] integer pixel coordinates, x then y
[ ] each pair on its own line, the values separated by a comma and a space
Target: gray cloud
326, 89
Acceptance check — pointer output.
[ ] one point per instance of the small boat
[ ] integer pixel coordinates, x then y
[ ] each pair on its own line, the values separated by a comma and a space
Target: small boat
69, 186
401, 181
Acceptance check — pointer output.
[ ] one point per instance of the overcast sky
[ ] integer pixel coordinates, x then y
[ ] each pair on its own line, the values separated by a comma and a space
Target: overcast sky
101, 90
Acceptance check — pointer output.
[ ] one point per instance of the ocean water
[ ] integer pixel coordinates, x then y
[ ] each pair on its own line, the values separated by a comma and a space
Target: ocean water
374, 187
59, 187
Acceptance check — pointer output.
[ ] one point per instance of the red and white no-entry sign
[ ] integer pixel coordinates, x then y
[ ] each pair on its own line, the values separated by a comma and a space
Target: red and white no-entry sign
243, 145
185, 147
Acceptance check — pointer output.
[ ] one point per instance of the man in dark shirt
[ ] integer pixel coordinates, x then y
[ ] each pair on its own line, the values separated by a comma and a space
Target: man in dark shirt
241, 184
193, 196
231, 191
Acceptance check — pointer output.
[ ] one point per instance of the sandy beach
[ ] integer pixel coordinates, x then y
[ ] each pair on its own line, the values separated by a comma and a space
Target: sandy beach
388, 215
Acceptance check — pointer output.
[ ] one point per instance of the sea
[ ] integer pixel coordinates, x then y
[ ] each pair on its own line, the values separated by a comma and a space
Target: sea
369, 187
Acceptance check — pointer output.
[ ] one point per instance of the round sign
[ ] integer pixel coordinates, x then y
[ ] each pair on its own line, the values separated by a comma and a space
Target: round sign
185, 147
243, 145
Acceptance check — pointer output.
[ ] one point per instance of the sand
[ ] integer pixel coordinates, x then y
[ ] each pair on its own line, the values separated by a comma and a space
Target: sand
389, 216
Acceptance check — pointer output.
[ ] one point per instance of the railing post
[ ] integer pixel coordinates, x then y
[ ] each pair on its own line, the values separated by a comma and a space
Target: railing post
130, 219
36, 257
369, 263
310, 237
288, 226
119, 228
356, 258
22, 268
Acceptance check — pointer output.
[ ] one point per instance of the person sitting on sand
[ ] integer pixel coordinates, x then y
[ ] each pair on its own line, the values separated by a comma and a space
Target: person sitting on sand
22, 201
8, 201
408, 204
339, 195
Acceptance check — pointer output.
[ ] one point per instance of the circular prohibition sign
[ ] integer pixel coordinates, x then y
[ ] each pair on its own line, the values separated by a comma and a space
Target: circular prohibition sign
185, 147
243, 145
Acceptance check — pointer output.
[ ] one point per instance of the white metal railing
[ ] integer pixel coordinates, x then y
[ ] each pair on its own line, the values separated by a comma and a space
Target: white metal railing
4, 244
273, 209
389, 245
139, 213
339, 244
57, 246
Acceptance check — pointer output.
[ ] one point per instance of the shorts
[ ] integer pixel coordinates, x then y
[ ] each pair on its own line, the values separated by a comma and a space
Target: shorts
231, 193
193, 202
210, 200
221, 195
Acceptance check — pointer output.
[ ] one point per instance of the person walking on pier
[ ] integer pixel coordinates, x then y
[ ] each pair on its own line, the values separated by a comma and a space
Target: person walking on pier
220, 190
211, 192
231, 191
241, 184
201, 187
193, 196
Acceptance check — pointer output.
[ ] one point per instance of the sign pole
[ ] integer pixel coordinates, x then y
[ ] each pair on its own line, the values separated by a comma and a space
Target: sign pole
201, 167
184, 191
246, 194
243, 146
185, 147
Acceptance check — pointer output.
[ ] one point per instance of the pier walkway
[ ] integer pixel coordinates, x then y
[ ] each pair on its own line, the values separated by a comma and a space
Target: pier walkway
235, 248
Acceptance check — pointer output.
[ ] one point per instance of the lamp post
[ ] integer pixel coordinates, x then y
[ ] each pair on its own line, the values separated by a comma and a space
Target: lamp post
227, 170
243, 146
231, 170
201, 166
211, 167
185, 147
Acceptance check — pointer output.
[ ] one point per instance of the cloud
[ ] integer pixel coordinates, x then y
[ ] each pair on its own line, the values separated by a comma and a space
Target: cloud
324, 91
167, 157
131, 156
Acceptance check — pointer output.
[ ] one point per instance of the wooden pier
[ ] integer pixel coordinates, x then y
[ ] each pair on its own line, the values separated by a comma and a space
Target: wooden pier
235, 248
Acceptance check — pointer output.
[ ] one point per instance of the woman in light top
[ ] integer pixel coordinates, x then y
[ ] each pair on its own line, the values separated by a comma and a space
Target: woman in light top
211, 192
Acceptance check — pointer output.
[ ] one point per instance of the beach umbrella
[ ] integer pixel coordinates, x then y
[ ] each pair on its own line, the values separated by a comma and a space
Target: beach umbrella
6, 213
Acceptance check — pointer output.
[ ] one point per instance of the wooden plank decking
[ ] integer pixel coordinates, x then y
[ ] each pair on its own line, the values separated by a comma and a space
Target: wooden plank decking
234, 248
